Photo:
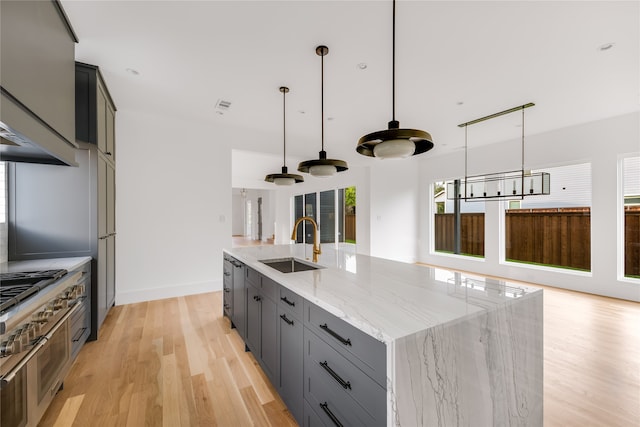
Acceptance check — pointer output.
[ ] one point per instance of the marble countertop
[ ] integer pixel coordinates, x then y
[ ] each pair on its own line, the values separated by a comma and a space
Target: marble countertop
386, 299
68, 264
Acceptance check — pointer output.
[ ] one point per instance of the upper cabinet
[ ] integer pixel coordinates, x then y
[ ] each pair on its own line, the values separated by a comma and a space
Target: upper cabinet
37, 80
95, 110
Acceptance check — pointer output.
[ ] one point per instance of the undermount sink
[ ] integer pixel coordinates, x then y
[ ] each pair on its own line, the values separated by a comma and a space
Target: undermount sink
290, 265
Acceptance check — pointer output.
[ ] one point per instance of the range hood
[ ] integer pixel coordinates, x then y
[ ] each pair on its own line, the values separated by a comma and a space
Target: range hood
37, 85
17, 141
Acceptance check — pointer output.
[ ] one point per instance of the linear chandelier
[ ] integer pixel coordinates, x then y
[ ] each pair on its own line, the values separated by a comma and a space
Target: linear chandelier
510, 185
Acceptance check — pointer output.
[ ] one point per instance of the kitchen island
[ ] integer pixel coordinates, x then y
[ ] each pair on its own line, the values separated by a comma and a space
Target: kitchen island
460, 349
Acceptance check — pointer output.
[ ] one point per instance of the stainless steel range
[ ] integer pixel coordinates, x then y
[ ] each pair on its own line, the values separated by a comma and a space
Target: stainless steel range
36, 339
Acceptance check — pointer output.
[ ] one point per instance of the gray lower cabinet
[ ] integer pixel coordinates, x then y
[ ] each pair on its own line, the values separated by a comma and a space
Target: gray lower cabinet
254, 320
239, 316
326, 371
227, 287
290, 347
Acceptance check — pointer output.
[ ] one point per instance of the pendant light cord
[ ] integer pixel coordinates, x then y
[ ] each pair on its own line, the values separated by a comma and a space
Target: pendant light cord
393, 62
284, 130
322, 96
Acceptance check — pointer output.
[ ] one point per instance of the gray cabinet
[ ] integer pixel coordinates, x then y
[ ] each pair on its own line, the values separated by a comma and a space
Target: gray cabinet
344, 371
262, 322
290, 348
326, 371
238, 297
95, 124
227, 287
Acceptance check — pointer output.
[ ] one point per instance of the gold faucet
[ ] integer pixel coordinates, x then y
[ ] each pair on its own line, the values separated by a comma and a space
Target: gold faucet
316, 242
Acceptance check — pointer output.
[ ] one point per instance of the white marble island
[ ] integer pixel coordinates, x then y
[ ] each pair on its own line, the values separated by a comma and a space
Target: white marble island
461, 350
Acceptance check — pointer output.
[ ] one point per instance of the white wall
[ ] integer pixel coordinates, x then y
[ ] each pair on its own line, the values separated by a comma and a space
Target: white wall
394, 209
237, 215
173, 207
602, 144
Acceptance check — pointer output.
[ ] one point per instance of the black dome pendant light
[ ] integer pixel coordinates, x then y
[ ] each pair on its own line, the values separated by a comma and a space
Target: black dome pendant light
394, 143
323, 167
284, 178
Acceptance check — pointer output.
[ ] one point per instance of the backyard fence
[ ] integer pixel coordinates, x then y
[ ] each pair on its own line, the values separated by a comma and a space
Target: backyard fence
350, 227
558, 237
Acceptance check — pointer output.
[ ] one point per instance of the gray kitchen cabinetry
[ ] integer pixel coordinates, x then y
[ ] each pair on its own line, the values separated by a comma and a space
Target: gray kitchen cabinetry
344, 372
95, 124
262, 322
290, 349
234, 294
227, 287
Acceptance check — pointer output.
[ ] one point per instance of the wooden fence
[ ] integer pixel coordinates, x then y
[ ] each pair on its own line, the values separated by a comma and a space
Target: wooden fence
350, 227
632, 241
471, 229
559, 236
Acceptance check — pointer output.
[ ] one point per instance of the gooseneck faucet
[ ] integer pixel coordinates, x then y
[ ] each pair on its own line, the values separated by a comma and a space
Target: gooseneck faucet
316, 241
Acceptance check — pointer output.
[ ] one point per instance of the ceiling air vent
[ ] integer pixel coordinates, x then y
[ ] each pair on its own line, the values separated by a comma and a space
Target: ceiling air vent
222, 106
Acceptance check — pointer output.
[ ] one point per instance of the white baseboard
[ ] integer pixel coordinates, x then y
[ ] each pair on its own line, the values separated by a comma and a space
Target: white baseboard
151, 294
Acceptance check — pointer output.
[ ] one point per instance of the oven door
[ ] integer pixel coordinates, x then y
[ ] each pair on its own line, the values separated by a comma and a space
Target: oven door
47, 368
13, 400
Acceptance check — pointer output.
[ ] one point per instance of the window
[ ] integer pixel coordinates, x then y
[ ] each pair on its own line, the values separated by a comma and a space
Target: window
335, 216
631, 193
471, 236
553, 230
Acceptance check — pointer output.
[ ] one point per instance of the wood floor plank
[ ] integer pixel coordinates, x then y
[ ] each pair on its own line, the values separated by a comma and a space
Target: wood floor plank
178, 362
253, 405
69, 411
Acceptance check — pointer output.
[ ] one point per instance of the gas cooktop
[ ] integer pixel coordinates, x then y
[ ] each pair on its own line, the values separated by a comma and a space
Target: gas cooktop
17, 287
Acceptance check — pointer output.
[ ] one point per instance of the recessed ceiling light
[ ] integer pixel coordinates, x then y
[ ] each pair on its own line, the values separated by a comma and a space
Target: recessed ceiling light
362, 66
460, 103
301, 111
132, 71
330, 118
605, 46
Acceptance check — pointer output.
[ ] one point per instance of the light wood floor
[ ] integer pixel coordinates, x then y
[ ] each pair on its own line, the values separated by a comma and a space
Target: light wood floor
175, 362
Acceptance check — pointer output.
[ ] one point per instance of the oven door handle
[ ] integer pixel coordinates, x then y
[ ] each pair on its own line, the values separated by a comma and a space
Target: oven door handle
36, 347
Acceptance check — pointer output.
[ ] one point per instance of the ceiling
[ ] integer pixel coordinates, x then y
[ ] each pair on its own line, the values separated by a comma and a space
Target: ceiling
455, 61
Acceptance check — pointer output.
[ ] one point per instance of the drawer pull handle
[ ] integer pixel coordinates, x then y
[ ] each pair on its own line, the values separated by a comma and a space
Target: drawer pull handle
257, 298
335, 335
291, 303
343, 383
325, 408
284, 317
78, 335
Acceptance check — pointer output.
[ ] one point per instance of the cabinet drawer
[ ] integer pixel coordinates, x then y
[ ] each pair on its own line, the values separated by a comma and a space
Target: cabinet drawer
323, 362
270, 288
366, 352
291, 301
332, 408
311, 418
253, 277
